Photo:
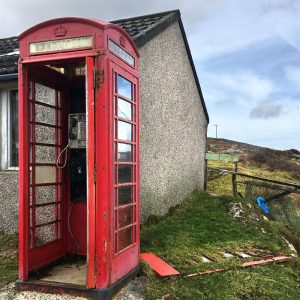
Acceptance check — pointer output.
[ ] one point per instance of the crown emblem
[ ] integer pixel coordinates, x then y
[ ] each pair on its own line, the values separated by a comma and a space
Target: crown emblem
60, 31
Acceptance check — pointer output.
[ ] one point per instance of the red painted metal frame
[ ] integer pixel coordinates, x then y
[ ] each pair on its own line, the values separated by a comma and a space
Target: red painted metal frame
104, 267
23, 172
112, 267
123, 259
91, 146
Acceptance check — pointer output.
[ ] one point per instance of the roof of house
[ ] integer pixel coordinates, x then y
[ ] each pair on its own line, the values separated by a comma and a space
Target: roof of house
9, 53
142, 29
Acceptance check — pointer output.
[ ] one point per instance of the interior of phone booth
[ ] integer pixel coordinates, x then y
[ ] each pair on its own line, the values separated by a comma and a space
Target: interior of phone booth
58, 210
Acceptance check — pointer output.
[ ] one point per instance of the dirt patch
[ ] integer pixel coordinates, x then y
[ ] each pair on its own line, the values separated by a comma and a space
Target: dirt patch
134, 290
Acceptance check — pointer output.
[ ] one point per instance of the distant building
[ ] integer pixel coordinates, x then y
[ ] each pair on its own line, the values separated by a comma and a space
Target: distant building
174, 118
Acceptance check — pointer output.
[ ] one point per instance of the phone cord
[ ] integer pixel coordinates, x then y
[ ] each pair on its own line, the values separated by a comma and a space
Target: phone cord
66, 157
70, 229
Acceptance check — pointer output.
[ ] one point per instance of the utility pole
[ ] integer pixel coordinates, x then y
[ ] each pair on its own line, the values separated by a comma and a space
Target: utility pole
216, 125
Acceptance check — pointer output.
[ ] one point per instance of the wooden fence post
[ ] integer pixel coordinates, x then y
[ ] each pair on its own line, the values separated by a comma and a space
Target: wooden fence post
234, 184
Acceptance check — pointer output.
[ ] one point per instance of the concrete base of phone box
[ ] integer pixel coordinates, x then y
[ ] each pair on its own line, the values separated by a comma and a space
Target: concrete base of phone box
76, 290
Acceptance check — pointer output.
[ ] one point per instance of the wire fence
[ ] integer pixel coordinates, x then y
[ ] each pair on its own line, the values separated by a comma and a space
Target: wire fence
282, 208
280, 196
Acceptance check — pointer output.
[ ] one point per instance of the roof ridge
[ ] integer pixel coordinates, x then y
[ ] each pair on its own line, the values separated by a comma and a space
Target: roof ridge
162, 20
9, 38
148, 16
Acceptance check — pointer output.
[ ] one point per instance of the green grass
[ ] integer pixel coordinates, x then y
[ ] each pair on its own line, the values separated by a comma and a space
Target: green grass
8, 259
201, 226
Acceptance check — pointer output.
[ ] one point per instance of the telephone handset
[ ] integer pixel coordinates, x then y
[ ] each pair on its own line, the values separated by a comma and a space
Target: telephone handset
77, 130
72, 122
76, 136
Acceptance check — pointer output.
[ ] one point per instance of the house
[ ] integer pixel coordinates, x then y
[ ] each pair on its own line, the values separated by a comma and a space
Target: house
173, 117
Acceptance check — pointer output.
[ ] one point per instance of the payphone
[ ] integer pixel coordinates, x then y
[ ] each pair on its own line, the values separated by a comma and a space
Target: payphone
79, 163
77, 131
75, 151
77, 145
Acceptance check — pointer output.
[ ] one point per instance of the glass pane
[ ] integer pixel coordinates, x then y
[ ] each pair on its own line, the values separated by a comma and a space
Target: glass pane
44, 134
124, 152
124, 131
44, 94
45, 154
45, 214
125, 238
125, 195
124, 109
125, 174
44, 194
45, 174
125, 216
124, 87
45, 235
44, 114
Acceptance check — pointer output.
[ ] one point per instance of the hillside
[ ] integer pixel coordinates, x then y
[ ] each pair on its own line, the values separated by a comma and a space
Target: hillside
283, 166
257, 161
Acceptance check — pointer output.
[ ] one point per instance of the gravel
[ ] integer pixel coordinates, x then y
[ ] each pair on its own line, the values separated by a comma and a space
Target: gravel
134, 290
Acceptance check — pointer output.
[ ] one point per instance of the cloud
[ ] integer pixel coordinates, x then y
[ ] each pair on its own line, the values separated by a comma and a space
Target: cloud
266, 109
292, 73
239, 102
243, 86
239, 24
16, 15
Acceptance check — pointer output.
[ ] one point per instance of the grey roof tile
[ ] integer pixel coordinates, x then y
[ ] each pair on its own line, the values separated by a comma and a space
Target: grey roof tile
134, 26
9, 52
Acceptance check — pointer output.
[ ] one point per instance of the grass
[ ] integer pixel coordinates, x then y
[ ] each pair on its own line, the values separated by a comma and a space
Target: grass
8, 259
201, 226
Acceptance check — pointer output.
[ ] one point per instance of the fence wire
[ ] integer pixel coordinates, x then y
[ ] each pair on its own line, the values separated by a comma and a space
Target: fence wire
282, 209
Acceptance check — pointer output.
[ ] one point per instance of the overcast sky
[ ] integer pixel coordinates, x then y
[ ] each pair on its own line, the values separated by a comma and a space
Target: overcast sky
246, 55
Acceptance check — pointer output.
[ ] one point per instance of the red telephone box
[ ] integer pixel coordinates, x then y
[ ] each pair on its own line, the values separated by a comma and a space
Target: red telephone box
79, 157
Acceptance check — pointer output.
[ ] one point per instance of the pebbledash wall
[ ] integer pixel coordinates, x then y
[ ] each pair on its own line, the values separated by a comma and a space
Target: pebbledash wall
8, 178
173, 124
173, 131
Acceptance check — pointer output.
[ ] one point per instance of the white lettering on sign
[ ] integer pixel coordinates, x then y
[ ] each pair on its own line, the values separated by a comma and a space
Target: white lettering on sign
65, 44
117, 50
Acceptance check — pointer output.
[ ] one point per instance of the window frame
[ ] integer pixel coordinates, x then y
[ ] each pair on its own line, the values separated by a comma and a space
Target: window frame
6, 142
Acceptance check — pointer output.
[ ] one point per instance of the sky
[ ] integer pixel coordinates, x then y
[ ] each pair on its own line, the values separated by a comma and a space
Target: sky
246, 53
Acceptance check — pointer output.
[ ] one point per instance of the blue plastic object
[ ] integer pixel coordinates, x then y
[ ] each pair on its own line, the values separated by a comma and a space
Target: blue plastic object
262, 204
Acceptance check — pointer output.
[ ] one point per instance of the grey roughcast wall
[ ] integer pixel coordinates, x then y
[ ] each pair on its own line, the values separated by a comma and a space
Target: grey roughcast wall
9, 201
173, 124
